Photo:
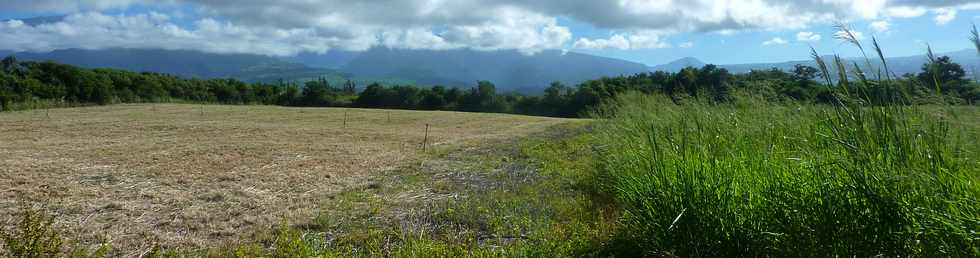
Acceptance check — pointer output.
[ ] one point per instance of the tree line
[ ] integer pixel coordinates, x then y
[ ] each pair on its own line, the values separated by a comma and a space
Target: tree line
23, 84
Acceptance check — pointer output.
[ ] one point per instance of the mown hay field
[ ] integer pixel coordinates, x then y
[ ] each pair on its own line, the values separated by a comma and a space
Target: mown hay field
192, 176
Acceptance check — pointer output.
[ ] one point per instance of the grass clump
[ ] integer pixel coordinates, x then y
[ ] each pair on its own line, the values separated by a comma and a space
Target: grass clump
753, 180
35, 235
868, 176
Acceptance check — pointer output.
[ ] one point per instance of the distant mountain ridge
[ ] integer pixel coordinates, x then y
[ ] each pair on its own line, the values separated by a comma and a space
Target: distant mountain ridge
509, 69
679, 64
192, 64
968, 58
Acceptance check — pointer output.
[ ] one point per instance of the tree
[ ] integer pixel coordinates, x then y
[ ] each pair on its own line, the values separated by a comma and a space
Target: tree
479, 98
949, 75
554, 103
316, 93
8, 65
371, 97
434, 98
7, 94
350, 88
804, 75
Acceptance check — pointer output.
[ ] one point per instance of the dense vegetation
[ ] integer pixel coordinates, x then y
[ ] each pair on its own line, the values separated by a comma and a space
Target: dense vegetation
759, 179
25, 85
867, 176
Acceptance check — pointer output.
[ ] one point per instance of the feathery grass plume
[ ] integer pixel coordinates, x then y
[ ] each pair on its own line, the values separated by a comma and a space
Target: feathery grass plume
975, 37
934, 69
842, 74
881, 57
822, 65
845, 34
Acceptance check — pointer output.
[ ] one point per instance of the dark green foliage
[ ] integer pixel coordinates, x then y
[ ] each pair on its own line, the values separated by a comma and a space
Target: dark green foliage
942, 70
24, 83
318, 93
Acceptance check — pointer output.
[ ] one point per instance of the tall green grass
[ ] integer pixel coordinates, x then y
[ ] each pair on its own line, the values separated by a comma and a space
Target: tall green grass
869, 176
754, 180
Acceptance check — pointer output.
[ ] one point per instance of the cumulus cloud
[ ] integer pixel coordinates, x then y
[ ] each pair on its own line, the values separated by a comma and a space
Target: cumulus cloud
905, 12
945, 15
880, 26
154, 30
63, 6
529, 26
808, 36
686, 45
624, 41
527, 33
775, 41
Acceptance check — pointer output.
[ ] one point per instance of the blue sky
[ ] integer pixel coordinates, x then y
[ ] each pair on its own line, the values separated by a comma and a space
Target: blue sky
646, 31
905, 37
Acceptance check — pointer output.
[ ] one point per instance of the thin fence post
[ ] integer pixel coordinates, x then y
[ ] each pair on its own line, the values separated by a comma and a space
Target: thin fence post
425, 140
345, 118
389, 116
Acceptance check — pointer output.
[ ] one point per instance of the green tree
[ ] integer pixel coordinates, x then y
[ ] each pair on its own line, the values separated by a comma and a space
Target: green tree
372, 96
944, 71
434, 98
316, 93
8, 65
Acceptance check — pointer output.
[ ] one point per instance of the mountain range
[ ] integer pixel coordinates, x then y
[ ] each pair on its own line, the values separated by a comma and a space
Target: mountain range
185, 63
509, 69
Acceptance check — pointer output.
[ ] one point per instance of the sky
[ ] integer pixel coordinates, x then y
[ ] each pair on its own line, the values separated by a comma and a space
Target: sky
646, 31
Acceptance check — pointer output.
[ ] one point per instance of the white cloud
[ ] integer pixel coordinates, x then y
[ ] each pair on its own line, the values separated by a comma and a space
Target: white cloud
527, 33
614, 42
97, 31
880, 26
775, 41
808, 36
259, 26
63, 6
945, 15
905, 12
686, 45
624, 41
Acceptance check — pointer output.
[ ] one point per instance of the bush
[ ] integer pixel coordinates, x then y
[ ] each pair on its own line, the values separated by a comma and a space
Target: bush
32, 237
35, 236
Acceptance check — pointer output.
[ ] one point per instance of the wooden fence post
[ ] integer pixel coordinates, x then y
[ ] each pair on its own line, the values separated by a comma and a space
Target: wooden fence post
425, 140
345, 118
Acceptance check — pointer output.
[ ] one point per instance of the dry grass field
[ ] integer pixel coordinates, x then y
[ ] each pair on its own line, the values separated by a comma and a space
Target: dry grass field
190, 176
